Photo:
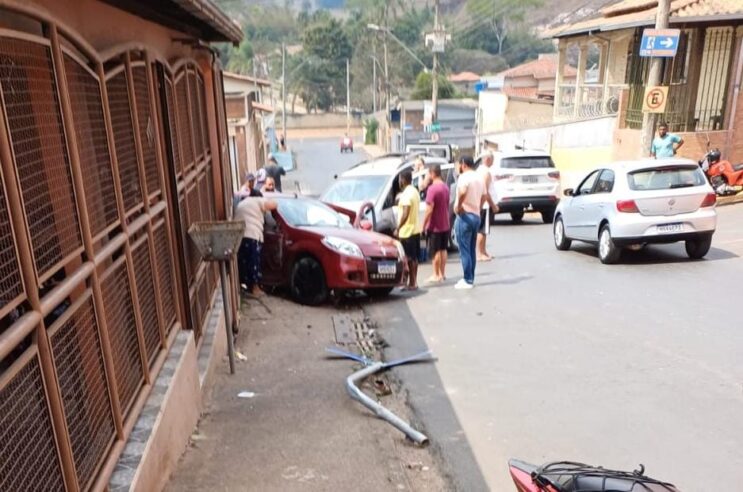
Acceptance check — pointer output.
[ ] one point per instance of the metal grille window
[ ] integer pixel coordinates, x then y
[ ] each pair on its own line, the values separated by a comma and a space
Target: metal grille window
164, 267
184, 123
196, 122
35, 124
82, 381
173, 126
126, 154
11, 288
146, 295
28, 456
95, 160
698, 78
122, 328
147, 133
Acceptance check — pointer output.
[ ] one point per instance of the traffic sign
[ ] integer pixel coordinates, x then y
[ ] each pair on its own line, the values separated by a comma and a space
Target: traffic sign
431, 127
655, 99
660, 42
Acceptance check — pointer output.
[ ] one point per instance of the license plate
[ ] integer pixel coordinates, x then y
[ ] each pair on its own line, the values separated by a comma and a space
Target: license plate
666, 228
530, 179
387, 268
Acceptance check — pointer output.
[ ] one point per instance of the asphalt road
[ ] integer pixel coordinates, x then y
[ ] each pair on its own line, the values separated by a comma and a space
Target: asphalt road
318, 161
554, 356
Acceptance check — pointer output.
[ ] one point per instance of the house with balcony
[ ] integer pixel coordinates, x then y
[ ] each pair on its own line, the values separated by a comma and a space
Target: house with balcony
704, 102
597, 113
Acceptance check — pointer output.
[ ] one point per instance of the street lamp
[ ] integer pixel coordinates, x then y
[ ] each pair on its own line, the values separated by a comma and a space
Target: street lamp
386, 31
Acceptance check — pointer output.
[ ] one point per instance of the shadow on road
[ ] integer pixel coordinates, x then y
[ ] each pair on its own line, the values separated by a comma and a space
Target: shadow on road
425, 392
657, 255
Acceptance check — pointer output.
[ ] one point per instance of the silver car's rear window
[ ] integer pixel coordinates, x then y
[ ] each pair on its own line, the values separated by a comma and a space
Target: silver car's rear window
527, 162
666, 178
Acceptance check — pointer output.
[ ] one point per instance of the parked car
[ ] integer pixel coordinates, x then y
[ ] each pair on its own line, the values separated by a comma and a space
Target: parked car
375, 181
449, 176
526, 181
313, 248
632, 204
346, 144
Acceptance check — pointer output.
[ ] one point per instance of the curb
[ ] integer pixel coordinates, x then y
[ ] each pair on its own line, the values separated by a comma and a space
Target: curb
729, 200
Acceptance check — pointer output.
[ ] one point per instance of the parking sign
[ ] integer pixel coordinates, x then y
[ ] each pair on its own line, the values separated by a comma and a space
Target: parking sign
660, 42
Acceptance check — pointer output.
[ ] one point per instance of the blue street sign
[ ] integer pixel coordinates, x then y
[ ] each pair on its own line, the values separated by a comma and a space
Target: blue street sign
660, 42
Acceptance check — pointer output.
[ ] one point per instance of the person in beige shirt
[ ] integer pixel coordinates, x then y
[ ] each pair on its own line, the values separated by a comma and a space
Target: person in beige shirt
252, 212
471, 195
489, 206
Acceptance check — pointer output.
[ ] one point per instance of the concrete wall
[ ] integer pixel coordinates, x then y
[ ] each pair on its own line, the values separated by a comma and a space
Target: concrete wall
457, 126
321, 120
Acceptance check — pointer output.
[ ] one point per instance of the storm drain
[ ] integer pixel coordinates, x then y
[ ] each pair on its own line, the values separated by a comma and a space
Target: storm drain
360, 335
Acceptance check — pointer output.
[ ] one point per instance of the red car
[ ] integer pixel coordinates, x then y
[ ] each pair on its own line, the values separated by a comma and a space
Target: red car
346, 144
313, 248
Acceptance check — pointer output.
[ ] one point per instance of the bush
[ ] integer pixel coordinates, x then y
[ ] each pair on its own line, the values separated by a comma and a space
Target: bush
370, 131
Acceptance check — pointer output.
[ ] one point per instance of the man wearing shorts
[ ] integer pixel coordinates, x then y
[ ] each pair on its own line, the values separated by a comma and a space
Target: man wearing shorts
489, 207
436, 222
409, 229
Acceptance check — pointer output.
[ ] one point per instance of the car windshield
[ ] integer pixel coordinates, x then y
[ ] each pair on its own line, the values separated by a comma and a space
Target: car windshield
355, 189
310, 213
532, 162
665, 178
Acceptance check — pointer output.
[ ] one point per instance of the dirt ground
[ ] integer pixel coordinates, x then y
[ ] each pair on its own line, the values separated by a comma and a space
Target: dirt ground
295, 427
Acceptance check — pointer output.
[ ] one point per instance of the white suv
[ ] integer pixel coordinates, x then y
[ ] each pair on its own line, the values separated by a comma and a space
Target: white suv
526, 181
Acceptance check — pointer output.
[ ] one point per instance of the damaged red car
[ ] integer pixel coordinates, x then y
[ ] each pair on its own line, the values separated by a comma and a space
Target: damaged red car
314, 249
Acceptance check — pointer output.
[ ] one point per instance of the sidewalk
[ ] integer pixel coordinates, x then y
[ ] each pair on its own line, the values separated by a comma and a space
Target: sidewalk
374, 150
300, 430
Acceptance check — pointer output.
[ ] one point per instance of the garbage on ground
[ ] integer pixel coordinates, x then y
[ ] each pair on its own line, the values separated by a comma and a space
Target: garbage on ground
240, 355
373, 367
245, 394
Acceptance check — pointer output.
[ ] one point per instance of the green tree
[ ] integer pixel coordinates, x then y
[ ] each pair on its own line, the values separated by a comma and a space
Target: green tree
241, 58
322, 78
502, 17
424, 87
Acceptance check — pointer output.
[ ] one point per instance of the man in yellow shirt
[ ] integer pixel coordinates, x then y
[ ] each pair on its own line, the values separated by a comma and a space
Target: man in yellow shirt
409, 227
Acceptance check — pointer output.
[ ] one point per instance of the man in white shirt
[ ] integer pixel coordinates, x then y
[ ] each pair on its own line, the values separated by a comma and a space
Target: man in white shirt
252, 211
489, 206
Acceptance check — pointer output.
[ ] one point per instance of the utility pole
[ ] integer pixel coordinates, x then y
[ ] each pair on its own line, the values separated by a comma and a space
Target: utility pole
348, 96
386, 85
435, 70
374, 78
654, 77
283, 90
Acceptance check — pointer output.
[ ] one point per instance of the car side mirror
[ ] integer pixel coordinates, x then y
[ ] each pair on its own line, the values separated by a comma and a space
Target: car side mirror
569, 192
366, 225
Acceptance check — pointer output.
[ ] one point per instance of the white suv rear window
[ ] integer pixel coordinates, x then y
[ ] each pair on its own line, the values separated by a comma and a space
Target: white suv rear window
534, 162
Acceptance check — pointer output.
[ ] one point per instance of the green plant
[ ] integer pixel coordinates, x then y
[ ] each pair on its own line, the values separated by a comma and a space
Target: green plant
370, 131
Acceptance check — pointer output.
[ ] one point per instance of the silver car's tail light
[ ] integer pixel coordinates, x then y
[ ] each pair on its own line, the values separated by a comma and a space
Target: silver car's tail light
710, 200
627, 206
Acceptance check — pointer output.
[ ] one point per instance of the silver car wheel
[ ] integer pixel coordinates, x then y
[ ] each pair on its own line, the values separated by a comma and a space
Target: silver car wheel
604, 243
559, 232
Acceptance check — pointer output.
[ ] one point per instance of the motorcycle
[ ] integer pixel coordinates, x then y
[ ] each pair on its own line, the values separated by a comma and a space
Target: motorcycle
725, 178
567, 476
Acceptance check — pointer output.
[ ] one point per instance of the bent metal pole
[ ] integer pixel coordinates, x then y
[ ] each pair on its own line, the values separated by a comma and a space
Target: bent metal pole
378, 409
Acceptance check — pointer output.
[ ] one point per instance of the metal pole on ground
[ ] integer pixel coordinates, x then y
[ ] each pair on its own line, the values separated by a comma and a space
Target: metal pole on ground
283, 90
227, 320
654, 78
348, 96
435, 69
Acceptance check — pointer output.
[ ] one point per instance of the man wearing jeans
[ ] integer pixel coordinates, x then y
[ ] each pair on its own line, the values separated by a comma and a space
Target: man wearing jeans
470, 197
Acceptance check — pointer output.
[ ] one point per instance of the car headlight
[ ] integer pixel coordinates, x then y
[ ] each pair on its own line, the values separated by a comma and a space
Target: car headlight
343, 246
400, 250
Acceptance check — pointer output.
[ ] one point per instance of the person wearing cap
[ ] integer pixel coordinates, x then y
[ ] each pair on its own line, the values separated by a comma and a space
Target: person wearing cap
247, 190
273, 170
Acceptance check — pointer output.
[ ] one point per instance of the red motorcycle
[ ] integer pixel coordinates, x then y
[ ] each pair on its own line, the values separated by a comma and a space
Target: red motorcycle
725, 178
567, 476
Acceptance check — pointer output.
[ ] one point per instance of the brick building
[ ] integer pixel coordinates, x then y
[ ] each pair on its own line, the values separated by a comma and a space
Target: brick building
113, 142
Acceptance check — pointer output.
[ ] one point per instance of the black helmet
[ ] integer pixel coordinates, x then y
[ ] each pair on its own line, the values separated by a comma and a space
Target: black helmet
714, 155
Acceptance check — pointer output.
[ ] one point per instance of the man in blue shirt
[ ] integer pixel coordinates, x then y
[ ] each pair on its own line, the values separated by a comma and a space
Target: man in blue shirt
665, 145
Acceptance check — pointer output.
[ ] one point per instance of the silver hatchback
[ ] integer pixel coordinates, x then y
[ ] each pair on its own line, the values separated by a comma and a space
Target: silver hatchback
632, 204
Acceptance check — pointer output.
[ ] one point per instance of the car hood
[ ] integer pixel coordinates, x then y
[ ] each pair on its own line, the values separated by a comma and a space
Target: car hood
352, 206
371, 243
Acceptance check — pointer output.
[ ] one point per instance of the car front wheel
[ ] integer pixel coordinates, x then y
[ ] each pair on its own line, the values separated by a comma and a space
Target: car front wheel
561, 240
517, 216
698, 248
307, 282
609, 253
